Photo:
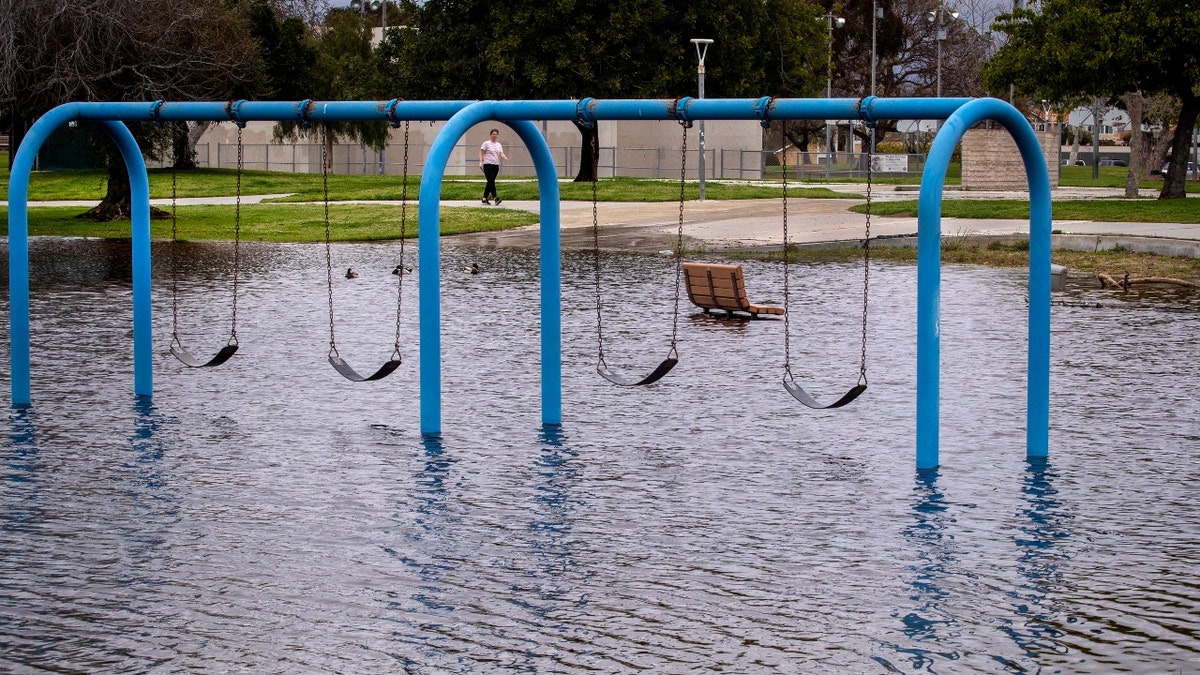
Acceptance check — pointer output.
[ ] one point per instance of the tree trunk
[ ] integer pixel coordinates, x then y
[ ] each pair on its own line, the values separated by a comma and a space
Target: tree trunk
1173, 181
589, 136
1074, 156
116, 202
1135, 104
801, 141
182, 154
194, 132
1160, 148
115, 205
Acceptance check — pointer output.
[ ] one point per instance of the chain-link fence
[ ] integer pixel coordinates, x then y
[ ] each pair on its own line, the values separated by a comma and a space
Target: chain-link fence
720, 164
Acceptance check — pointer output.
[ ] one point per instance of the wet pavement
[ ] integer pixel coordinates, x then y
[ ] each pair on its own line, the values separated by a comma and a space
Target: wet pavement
757, 224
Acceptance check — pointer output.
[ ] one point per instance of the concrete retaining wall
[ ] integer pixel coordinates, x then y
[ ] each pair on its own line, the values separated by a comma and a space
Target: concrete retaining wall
627, 148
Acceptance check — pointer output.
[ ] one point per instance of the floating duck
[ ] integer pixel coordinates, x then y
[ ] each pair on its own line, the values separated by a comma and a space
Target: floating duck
472, 269
400, 269
350, 273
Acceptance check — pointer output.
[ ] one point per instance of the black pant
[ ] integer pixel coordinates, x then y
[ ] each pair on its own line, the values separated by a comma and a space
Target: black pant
490, 171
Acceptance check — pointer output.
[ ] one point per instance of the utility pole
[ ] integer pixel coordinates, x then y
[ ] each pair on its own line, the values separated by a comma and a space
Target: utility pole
830, 20
701, 50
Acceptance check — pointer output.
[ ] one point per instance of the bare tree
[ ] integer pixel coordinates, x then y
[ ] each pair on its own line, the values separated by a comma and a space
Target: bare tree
906, 44
116, 50
312, 12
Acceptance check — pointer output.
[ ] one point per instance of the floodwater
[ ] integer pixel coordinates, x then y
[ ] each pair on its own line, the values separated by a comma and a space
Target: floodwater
269, 516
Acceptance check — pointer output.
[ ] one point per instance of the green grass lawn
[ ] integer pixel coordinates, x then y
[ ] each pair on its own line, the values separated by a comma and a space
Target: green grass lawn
299, 217
279, 222
302, 187
1104, 210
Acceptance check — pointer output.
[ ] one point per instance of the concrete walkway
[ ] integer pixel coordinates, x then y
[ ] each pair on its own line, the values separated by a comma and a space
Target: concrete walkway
757, 224
742, 224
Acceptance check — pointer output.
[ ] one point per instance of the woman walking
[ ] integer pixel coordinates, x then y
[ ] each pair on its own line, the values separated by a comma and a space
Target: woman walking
490, 154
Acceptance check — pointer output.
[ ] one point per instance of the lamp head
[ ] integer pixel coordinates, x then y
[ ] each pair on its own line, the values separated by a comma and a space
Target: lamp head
356, 5
929, 16
375, 5
839, 22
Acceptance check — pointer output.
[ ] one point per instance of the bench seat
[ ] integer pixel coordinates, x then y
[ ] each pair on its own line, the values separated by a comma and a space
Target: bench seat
714, 286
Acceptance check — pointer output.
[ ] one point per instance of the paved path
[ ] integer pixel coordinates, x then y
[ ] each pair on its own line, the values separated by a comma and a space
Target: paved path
756, 223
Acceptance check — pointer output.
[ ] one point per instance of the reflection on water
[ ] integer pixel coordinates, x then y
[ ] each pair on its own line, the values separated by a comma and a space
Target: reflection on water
928, 623
1042, 544
269, 516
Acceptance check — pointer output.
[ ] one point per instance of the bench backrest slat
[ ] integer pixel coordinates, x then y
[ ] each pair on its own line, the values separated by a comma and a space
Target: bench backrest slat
716, 286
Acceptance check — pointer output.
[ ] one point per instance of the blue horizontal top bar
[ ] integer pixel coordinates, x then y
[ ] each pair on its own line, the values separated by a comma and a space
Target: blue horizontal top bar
585, 110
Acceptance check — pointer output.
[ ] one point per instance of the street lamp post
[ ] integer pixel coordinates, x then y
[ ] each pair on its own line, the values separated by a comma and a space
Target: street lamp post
938, 17
364, 6
701, 50
831, 20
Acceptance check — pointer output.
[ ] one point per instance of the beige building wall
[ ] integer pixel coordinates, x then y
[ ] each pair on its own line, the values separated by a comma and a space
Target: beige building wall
627, 148
991, 160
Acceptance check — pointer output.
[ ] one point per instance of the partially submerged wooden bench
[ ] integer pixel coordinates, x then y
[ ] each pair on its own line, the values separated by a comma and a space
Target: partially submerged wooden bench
712, 286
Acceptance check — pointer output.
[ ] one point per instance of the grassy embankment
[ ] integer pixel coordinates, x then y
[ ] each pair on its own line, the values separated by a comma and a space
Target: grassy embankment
299, 217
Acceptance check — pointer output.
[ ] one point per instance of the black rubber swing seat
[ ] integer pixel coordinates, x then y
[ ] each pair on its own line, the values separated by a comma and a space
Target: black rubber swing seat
800, 395
351, 374
659, 372
192, 362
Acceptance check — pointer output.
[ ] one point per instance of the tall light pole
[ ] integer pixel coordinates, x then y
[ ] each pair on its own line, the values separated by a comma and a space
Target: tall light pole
701, 50
364, 6
831, 20
938, 17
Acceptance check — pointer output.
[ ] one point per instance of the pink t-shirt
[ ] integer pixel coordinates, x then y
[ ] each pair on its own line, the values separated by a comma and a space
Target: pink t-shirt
491, 152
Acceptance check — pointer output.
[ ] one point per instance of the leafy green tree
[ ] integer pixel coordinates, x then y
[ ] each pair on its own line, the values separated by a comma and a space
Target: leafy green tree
556, 49
287, 54
344, 67
1107, 49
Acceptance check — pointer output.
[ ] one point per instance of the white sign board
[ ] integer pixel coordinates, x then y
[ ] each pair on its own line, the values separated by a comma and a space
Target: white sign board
889, 163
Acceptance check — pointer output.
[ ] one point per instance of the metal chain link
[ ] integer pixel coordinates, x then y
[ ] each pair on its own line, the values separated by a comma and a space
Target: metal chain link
237, 236
403, 237
679, 241
862, 367
596, 250
174, 258
328, 248
787, 310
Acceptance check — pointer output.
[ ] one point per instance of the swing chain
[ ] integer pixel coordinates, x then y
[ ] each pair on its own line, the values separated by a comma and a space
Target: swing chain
862, 367
787, 315
679, 242
174, 257
324, 138
596, 249
403, 236
237, 236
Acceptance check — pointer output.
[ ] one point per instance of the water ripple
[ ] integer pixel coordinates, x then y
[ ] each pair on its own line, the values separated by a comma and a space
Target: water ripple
269, 516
